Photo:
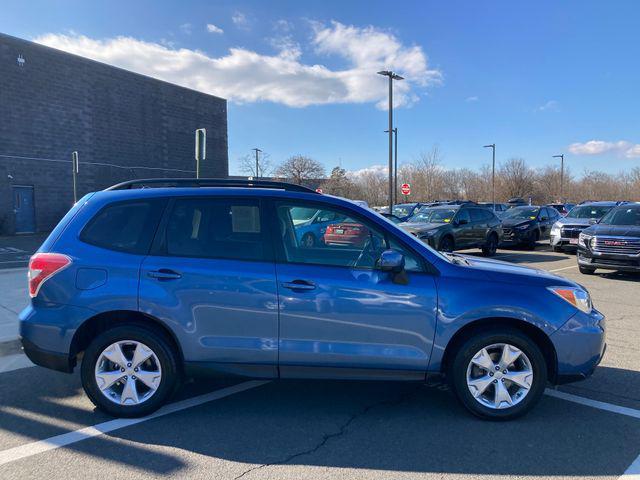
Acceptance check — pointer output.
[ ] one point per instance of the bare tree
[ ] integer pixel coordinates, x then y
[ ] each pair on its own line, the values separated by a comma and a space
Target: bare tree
248, 165
516, 178
300, 168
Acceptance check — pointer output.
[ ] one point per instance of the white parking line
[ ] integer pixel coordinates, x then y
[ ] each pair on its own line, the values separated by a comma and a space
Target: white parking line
69, 438
633, 472
564, 268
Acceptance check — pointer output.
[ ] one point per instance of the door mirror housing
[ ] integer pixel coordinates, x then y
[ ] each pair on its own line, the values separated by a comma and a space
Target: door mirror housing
391, 261
462, 221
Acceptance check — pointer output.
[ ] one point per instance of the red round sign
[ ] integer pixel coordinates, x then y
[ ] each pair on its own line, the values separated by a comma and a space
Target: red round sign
318, 190
405, 189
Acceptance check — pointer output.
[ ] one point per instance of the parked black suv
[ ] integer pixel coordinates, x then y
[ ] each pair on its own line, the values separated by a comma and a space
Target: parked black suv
455, 227
613, 243
528, 224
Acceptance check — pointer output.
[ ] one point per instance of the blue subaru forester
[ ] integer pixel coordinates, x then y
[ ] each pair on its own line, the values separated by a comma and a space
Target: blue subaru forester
150, 281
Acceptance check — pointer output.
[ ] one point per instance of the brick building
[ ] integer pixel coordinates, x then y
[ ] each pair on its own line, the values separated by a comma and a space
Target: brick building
123, 125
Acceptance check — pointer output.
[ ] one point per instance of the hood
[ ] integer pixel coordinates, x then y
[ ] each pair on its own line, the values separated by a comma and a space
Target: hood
573, 221
415, 227
614, 230
515, 222
511, 273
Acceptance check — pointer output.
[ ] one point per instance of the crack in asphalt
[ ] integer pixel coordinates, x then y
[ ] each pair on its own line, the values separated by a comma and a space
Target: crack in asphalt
341, 431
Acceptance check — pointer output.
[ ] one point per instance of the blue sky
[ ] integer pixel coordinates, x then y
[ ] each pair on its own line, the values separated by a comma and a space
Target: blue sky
537, 79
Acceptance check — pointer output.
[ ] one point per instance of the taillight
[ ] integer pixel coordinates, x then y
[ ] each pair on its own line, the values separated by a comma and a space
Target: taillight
42, 267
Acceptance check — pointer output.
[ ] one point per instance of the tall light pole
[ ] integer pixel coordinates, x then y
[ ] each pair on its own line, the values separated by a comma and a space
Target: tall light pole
392, 76
258, 151
493, 175
561, 157
395, 166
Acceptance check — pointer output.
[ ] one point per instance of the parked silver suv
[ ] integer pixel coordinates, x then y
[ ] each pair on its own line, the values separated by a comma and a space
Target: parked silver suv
565, 232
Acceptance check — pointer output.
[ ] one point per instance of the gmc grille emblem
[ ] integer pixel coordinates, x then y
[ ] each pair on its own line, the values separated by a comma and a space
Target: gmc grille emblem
615, 243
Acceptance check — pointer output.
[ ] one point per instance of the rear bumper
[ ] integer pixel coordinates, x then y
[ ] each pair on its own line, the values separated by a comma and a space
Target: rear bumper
44, 358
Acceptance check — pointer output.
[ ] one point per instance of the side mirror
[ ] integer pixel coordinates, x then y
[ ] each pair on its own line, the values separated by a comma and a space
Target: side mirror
391, 261
543, 219
593, 221
462, 221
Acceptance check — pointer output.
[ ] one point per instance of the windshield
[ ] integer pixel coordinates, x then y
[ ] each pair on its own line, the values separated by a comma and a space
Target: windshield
588, 212
522, 213
433, 215
403, 210
622, 216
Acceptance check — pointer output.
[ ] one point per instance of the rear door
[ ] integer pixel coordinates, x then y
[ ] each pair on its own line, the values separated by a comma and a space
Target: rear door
211, 278
480, 225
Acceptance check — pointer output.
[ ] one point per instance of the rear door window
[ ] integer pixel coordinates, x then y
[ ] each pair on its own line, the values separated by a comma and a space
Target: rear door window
125, 226
226, 228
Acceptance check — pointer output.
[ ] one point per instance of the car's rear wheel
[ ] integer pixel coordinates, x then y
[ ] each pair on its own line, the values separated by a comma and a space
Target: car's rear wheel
446, 244
490, 247
558, 249
498, 374
308, 240
586, 270
129, 371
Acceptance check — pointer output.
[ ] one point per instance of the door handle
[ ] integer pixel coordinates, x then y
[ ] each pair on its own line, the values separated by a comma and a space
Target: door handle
164, 274
299, 285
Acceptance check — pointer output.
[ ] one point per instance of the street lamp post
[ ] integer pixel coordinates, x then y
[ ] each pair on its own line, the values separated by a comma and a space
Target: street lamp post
258, 151
395, 166
561, 157
493, 175
392, 76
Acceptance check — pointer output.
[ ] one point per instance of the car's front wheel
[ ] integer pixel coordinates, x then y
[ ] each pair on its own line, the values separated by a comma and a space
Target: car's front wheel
498, 374
586, 270
490, 247
129, 371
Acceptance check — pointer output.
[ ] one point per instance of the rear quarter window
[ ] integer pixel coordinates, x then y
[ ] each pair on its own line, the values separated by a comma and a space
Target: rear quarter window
125, 226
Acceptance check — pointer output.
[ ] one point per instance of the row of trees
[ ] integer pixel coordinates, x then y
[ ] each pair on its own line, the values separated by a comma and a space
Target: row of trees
431, 181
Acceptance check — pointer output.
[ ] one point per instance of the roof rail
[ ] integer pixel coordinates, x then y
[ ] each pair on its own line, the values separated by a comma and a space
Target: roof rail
208, 182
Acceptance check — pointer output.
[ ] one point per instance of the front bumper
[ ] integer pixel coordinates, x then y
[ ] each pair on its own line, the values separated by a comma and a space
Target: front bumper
609, 261
580, 345
516, 237
559, 241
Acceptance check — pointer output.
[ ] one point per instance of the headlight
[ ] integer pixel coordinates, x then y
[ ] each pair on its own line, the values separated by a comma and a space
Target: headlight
524, 227
577, 297
555, 230
584, 240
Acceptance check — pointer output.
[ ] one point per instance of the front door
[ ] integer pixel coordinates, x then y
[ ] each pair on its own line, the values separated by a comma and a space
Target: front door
339, 314
211, 277
23, 206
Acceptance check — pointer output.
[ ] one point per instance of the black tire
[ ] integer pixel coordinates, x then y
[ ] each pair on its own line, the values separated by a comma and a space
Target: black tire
558, 249
157, 343
457, 372
308, 240
533, 240
446, 244
490, 247
586, 270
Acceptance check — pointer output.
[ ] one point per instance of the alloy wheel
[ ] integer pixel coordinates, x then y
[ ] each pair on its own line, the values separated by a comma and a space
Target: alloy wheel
128, 372
499, 376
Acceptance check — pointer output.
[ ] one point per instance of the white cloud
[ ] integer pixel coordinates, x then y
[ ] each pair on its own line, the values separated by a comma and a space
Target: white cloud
471, 99
551, 105
244, 75
598, 147
186, 28
211, 28
379, 170
240, 20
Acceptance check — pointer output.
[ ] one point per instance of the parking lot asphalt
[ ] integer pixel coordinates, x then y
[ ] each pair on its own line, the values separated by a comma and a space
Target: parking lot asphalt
316, 430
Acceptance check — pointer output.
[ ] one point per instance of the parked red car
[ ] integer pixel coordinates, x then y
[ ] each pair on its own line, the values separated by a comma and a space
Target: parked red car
347, 234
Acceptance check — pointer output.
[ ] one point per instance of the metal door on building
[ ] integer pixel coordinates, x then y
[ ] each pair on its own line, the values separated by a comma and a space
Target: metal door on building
24, 208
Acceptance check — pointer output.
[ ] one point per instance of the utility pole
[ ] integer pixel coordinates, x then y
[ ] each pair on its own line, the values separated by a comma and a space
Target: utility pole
392, 76
74, 170
201, 148
493, 175
395, 167
258, 151
561, 157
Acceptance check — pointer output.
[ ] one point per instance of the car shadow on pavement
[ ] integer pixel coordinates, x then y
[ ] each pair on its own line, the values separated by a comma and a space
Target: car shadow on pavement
358, 425
524, 257
622, 276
